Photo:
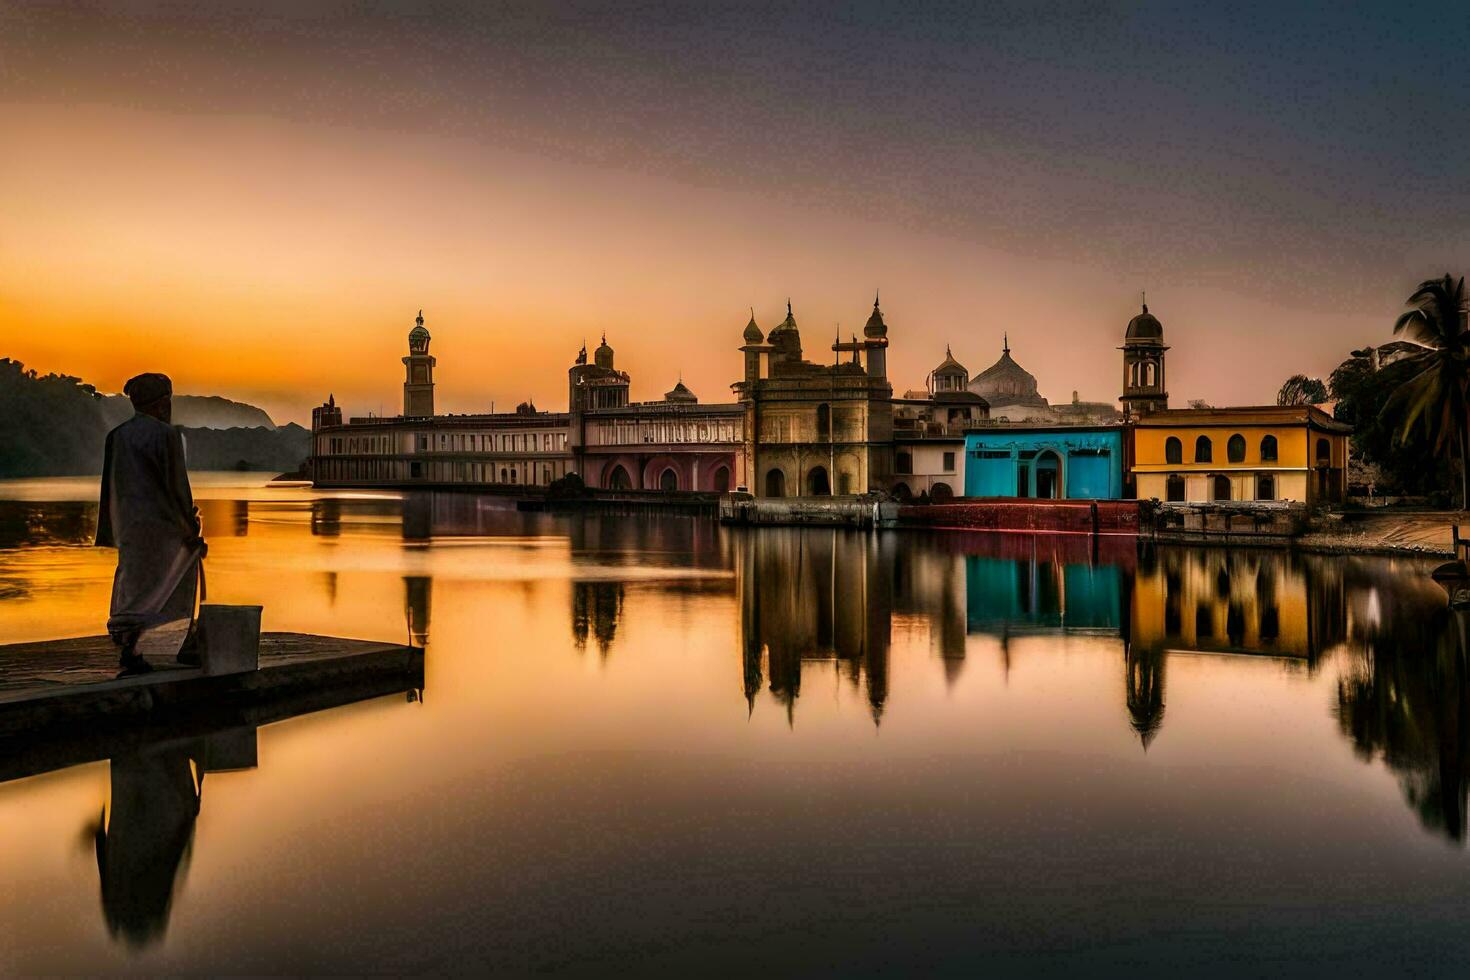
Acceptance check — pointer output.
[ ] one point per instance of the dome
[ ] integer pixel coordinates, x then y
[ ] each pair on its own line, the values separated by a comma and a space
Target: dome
1007, 383
951, 366
418, 337
603, 356
1145, 326
875, 327
753, 333
680, 394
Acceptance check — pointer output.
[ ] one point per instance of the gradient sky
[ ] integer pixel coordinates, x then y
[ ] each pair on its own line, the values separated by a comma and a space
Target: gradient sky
257, 199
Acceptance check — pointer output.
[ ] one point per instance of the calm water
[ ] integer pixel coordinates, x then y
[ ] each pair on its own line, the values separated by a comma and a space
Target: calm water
657, 746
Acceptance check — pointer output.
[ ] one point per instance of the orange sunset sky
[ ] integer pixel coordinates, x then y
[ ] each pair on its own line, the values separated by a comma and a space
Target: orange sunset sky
258, 200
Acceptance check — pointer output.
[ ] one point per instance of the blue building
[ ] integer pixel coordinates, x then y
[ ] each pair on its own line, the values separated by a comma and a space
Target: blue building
1046, 462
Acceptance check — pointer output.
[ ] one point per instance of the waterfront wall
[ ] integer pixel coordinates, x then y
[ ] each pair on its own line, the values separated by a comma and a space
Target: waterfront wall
822, 511
1073, 516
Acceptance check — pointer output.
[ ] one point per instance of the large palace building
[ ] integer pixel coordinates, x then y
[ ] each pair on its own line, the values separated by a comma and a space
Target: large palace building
675, 444
799, 428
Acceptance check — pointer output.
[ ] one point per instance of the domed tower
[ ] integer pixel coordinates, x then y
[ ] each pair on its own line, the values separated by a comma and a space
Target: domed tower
753, 346
950, 375
875, 342
1143, 350
418, 382
603, 356
785, 341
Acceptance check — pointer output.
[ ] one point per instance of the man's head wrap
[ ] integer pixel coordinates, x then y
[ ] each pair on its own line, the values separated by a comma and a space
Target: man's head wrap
146, 389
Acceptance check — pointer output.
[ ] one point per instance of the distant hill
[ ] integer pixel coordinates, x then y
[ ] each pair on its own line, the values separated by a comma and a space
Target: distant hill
55, 425
196, 412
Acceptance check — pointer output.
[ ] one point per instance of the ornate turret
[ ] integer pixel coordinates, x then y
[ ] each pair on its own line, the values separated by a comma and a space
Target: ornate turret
1143, 350
603, 356
950, 375
875, 341
418, 382
785, 339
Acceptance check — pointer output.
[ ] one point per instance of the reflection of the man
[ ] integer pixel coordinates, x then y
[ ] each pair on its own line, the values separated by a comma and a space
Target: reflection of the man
144, 841
809, 596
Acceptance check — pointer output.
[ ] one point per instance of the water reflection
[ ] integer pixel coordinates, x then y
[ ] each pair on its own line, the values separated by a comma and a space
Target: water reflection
815, 597
417, 590
596, 609
142, 844
809, 597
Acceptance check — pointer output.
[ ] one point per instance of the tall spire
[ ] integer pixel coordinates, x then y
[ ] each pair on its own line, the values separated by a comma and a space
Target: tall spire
875, 299
788, 307
1005, 343
1144, 294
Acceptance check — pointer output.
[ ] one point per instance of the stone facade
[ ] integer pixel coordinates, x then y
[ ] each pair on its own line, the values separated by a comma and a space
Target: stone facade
673, 445
813, 429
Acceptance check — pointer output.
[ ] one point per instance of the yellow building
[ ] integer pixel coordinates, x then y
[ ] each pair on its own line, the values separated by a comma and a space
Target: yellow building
1292, 452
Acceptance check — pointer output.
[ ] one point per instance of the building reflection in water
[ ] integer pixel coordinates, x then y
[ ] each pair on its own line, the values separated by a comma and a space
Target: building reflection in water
815, 596
597, 608
1404, 699
416, 595
326, 517
810, 596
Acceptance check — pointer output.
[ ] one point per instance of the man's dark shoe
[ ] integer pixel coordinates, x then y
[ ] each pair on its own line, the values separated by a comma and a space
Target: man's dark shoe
134, 665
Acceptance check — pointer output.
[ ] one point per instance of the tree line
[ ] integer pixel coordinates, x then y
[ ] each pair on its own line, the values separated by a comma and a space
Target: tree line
55, 425
1407, 399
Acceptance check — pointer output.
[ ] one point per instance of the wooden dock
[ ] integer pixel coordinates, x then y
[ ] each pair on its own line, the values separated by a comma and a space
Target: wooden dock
62, 704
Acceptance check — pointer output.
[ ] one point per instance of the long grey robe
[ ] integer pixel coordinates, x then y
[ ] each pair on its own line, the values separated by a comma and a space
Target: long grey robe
147, 512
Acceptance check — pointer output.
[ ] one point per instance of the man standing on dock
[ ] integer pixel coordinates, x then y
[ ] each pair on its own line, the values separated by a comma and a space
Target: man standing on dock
147, 512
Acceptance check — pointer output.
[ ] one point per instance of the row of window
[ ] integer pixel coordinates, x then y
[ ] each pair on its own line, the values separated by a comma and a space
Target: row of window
621, 433
903, 463
1220, 487
1204, 450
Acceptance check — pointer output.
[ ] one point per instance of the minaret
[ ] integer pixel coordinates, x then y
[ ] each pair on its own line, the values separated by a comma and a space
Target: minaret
418, 382
753, 347
875, 342
1144, 388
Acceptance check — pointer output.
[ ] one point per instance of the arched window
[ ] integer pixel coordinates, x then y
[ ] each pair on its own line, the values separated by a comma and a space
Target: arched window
721, 482
824, 422
1222, 487
668, 480
902, 492
817, 483
941, 492
1173, 450
1235, 449
844, 482
504, 475
1324, 453
1148, 374
1174, 488
775, 484
1204, 452
1265, 487
1268, 449
618, 479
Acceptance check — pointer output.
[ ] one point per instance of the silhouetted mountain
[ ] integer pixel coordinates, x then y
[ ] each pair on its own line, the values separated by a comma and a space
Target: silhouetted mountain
55, 425
196, 412
283, 449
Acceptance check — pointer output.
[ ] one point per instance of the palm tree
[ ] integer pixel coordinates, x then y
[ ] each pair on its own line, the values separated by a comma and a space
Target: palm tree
1436, 393
1302, 390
